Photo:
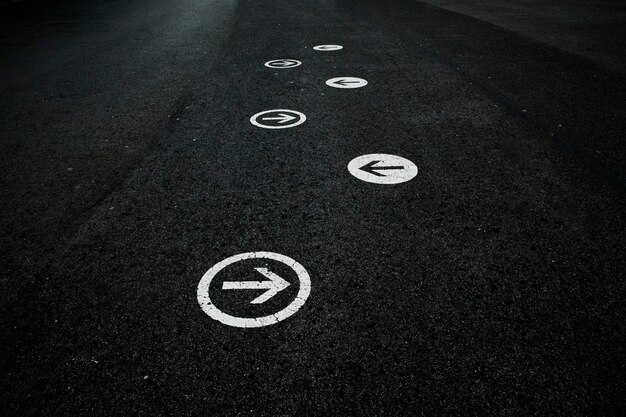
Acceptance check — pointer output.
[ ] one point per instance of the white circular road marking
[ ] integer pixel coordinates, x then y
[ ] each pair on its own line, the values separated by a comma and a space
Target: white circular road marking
328, 47
283, 63
278, 119
215, 313
380, 168
346, 82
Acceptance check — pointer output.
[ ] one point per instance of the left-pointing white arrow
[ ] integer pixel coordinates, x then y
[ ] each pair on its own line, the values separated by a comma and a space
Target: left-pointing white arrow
275, 285
346, 82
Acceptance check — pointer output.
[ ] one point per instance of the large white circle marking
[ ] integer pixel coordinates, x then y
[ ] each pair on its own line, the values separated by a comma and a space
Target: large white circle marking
215, 313
381, 168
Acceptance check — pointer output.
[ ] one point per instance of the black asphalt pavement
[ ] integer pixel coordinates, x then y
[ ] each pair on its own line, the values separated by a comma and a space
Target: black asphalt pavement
492, 283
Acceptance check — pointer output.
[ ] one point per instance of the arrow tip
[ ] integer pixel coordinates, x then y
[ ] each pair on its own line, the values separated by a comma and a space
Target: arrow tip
370, 168
277, 285
286, 118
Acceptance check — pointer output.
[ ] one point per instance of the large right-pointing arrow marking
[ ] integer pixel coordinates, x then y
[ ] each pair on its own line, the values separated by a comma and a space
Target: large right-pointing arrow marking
275, 285
371, 168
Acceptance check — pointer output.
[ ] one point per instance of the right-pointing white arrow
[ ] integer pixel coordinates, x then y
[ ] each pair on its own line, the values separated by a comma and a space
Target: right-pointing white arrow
282, 118
275, 285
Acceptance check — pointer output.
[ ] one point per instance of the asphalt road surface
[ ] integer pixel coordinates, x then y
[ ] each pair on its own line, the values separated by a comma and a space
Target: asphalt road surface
471, 262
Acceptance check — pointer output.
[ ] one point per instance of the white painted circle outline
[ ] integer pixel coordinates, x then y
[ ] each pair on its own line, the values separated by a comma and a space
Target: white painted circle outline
354, 167
335, 48
215, 313
332, 81
254, 118
269, 63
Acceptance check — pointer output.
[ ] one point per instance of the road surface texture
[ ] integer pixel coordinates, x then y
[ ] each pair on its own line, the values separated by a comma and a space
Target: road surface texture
592, 28
492, 283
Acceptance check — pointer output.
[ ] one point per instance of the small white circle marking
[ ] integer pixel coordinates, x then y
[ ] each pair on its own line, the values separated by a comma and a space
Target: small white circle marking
327, 47
346, 82
283, 63
380, 168
278, 119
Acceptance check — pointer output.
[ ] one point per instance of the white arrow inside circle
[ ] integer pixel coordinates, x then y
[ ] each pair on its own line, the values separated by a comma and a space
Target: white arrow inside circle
275, 285
346, 82
282, 118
